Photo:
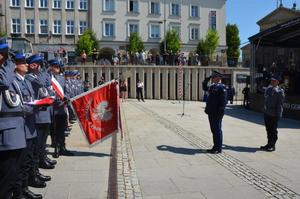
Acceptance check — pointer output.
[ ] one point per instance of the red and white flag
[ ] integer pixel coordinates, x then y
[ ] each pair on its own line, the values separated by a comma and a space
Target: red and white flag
98, 111
42, 102
57, 87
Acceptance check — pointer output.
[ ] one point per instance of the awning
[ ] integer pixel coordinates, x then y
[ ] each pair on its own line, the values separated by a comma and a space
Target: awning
283, 35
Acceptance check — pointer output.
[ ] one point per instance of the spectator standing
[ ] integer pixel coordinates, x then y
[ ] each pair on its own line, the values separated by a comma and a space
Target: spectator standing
86, 85
83, 57
246, 92
101, 81
140, 87
94, 56
273, 108
230, 94
123, 89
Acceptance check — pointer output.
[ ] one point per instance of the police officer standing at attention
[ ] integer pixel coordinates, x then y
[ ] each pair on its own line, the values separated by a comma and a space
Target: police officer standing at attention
60, 113
12, 125
273, 108
40, 81
215, 107
27, 173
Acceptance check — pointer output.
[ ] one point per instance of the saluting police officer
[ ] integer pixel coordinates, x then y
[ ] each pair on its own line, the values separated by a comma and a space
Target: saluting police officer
12, 125
60, 112
273, 108
41, 83
27, 175
215, 106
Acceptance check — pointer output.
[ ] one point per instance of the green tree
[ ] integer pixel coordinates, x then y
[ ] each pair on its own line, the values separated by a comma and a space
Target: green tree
3, 34
135, 43
233, 43
87, 42
172, 42
206, 47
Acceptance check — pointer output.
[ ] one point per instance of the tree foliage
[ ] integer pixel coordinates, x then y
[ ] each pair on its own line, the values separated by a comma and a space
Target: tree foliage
206, 47
87, 42
172, 42
135, 43
233, 41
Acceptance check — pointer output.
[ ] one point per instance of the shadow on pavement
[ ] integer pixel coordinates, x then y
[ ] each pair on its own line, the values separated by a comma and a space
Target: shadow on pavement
85, 154
240, 148
236, 111
185, 151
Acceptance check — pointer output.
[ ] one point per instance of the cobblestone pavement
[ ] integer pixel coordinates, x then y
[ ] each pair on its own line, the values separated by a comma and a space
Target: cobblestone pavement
161, 155
259, 181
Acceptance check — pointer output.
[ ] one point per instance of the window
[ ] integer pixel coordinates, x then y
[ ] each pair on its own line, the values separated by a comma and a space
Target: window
43, 3
70, 27
175, 10
29, 26
133, 28
194, 33
176, 28
43, 26
83, 5
133, 6
29, 3
56, 4
154, 8
57, 27
15, 3
154, 31
213, 20
16, 26
109, 5
70, 4
109, 29
194, 11
82, 27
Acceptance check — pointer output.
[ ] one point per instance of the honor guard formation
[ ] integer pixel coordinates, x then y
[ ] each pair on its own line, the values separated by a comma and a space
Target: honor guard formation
25, 125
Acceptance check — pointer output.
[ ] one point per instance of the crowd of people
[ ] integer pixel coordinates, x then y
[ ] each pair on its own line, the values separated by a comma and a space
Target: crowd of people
25, 124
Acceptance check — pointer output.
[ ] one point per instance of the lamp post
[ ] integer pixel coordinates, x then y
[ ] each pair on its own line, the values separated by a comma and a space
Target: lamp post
165, 24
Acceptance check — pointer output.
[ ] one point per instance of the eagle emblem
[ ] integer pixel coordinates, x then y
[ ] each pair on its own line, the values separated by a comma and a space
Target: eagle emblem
102, 112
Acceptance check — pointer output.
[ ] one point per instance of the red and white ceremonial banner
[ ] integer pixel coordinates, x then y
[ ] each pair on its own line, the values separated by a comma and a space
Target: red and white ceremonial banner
42, 102
57, 87
98, 111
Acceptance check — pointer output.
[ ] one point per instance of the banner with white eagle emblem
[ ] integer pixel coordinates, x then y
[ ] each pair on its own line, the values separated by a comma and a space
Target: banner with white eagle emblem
98, 111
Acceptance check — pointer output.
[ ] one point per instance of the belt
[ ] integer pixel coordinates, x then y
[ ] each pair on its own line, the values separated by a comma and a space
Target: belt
12, 114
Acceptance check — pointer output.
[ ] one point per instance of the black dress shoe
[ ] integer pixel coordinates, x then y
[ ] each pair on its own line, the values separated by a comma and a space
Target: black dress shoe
36, 182
52, 162
30, 195
65, 152
43, 177
43, 164
214, 151
270, 149
264, 147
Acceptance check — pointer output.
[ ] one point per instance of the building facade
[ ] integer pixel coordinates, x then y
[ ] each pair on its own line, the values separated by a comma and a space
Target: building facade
48, 24
114, 21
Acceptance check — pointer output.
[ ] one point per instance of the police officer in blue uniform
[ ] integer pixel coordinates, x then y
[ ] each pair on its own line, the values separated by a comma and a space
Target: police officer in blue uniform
215, 106
60, 112
27, 172
12, 125
273, 108
41, 83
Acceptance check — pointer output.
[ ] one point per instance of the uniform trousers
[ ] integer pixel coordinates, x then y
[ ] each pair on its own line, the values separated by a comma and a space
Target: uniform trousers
271, 123
60, 127
9, 163
215, 123
43, 131
27, 164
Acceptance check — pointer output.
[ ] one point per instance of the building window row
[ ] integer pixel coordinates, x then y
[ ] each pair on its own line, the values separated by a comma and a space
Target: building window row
43, 26
154, 8
109, 30
56, 4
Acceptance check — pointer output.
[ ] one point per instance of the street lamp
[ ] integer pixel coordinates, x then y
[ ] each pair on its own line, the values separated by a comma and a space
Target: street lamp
165, 21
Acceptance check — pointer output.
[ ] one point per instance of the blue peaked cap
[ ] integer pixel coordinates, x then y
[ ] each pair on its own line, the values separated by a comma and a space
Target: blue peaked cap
34, 59
54, 62
3, 44
19, 57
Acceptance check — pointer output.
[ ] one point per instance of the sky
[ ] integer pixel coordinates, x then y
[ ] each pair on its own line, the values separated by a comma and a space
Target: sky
245, 13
